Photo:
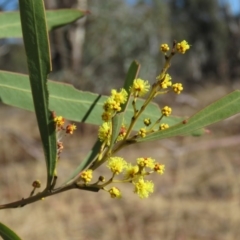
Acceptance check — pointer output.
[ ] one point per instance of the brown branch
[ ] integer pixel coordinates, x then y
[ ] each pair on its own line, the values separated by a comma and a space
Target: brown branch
47, 193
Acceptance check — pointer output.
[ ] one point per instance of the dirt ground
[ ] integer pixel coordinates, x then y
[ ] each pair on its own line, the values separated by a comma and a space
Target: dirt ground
198, 197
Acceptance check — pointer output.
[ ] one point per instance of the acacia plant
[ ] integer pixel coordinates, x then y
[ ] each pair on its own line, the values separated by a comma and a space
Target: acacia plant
124, 117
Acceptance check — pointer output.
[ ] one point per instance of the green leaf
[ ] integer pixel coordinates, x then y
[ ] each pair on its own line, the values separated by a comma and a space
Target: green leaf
11, 27
61, 17
217, 111
35, 38
67, 101
7, 234
116, 125
131, 75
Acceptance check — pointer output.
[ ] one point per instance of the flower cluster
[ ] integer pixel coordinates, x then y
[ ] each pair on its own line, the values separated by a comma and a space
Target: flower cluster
59, 123
145, 162
137, 173
113, 104
164, 79
105, 132
114, 134
134, 174
164, 82
61, 130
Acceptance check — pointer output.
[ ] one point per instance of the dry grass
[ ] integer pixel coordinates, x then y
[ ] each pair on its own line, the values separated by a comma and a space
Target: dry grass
197, 198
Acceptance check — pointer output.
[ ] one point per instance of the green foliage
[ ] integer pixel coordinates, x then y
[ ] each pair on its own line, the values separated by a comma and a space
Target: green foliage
126, 118
7, 234
35, 38
66, 100
221, 109
11, 26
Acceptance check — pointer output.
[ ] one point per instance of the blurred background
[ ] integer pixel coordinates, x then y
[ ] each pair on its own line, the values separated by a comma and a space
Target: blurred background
199, 195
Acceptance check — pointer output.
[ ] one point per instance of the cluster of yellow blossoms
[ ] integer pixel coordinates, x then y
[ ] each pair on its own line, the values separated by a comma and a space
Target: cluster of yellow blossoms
111, 107
137, 173
69, 129
60, 121
166, 81
132, 173
181, 47
113, 104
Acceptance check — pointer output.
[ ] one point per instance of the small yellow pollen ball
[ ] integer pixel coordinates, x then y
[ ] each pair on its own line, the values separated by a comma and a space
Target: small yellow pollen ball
142, 132
140, 87
183, 46
163, 126
164, 47
177, 88
115, 192
87, 175
166, 111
